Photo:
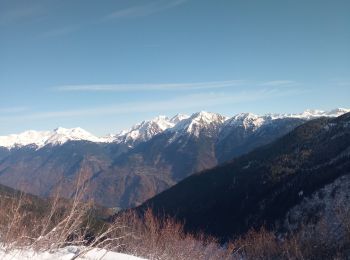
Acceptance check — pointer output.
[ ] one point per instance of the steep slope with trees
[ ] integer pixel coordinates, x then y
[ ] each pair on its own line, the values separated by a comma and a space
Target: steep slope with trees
259, 188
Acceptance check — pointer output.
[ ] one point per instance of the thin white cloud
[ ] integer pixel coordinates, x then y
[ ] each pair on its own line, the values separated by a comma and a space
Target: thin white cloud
133, 11
275, 83
171, 86
20, 13
61, 31
341, 82
144, 10
10, 110
149, 87
196, 101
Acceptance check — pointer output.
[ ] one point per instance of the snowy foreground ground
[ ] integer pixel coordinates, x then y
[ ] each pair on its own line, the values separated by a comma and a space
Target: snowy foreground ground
64, 254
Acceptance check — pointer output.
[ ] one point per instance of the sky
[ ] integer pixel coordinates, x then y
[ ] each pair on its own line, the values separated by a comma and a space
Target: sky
106, 65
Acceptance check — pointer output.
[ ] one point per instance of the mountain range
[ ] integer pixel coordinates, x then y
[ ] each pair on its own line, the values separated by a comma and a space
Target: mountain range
125, 169
293, 178
145, 130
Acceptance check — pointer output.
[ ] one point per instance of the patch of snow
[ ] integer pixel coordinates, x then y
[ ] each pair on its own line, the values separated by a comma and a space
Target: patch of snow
179, 117
145, 130
66, 253
337, 112
329, 204
109, 138
40, 139
247, 166
246, 120
311, 114
198, 121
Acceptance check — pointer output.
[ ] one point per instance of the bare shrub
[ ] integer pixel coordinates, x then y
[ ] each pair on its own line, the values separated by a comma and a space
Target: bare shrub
165, 238
61, 225
260, 244
16, 223
53, 224
57, 223
326, 239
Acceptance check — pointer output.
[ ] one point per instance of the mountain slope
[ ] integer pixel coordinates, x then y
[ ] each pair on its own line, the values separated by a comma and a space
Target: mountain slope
200, 142
245, 132
42, 171
260, 187
146, 130
127, 169
172, 156
30, 204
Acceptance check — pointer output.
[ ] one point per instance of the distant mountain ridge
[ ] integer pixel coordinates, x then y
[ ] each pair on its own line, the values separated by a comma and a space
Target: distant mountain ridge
40, 139
146, 130
125, 170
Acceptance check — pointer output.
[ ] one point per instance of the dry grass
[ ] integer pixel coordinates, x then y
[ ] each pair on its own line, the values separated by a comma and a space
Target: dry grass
60, 225
152, 238
164, 238
56, 224
27, 222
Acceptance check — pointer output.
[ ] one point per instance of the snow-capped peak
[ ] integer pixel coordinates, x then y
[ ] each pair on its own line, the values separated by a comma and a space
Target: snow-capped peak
337, 112
42, 138
194, 124
145, 130
312, 113
207, 117
62, 135
253, 122
179, 117
198, 121
246, 120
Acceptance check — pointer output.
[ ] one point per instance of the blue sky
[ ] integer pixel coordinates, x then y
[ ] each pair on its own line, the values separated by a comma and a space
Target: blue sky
105, 65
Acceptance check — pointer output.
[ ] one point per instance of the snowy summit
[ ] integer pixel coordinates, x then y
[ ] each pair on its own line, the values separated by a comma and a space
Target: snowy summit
40, 139
144, 131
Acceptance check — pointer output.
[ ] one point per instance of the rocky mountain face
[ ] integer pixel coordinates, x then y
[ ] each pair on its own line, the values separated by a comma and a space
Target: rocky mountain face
266, 186
126, 169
